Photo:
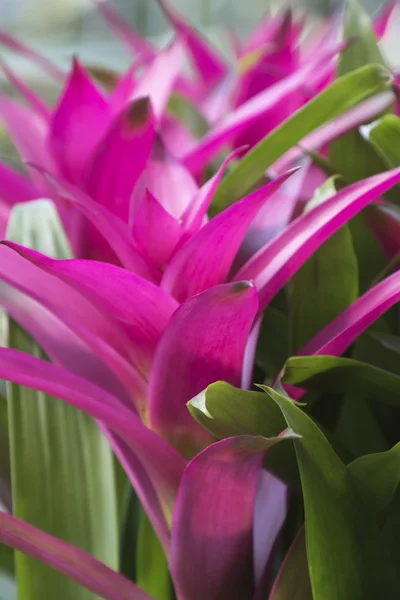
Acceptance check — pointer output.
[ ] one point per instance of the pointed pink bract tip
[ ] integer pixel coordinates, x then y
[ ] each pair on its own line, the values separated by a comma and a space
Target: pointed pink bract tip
138, 113
76, 65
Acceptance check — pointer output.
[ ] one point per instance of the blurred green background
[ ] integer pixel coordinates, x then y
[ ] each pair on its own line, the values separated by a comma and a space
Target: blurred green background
62, 27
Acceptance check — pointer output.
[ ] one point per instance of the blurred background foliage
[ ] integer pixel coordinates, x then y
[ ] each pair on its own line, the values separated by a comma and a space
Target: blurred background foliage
61, 23
61, 28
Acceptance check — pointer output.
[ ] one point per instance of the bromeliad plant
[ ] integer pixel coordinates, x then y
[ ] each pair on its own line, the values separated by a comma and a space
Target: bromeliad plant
175, 285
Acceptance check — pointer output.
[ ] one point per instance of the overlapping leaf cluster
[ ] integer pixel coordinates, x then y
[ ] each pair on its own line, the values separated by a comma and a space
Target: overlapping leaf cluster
199, 273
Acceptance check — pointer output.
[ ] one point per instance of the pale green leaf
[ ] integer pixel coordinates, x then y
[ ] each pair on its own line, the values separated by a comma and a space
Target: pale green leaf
61, 465
152, 573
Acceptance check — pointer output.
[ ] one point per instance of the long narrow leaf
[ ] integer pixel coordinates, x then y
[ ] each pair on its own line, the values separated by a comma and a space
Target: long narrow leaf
56, 449
70, 561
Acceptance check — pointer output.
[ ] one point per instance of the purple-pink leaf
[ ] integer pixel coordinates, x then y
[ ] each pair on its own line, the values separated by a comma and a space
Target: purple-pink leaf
102, 333
250, 353
41, 61
196, 211
159, 79
269, 518
120, 158
268, 29
120, 97
143, 486
141, 308
161, 462
156, 232
68, 350
169, 181
273, 61
36, 103
134, 41
212, 527
206, 259
219, 101
113, 230
68, 560
208, 63
273, 218
78, 123
275, 264
340, 333
251, 111
204, 342
235, 43
61, 344
176, 136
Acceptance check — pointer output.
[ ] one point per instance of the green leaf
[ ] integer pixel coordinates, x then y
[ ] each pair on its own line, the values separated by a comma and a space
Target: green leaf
333, 374
152, 573
371, 258
326, 166
347, 554
6, 553
360, 158
353, 156
5, 483
343, 94
378, 476
323, 193
273, 341
293, 579
184, 110
359, 383
326, 284
61, 465
226, 411
391, 526
130, 520
385, 136
380, 349
358, 428
364, 48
